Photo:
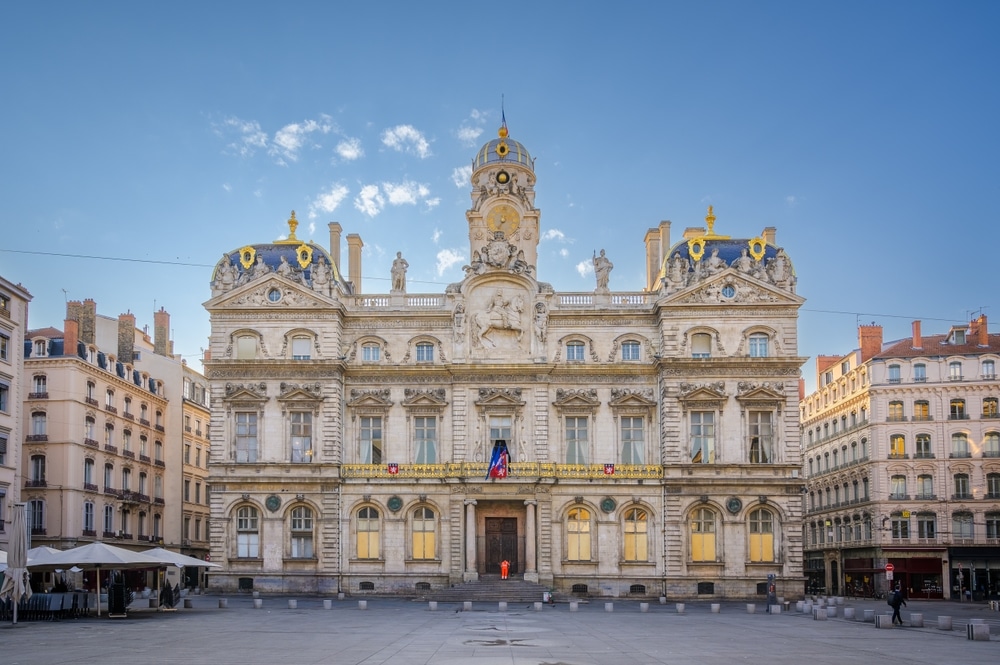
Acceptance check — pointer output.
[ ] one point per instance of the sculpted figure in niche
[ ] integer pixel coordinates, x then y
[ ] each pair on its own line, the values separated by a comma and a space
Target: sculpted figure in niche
779, 269
321, 277
541, 321
744, 263
678, 270
714, 264
225, 276
259, 269
602, 270
459, 322
399, 266
500, 314
284, 269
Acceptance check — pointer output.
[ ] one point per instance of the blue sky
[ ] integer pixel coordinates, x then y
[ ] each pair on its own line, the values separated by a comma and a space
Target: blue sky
166, 134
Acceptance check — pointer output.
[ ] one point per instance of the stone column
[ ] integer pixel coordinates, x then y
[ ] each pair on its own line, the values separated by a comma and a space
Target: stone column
530, 565
471, 574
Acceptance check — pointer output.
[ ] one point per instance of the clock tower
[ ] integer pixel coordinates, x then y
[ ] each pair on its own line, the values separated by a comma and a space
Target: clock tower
503, 213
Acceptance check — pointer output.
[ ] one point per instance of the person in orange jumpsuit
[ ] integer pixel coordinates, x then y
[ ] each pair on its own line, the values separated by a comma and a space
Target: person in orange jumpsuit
504, 569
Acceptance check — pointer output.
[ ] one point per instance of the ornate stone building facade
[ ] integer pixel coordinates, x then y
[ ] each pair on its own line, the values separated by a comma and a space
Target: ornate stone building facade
902, 446
651, 437
14, 299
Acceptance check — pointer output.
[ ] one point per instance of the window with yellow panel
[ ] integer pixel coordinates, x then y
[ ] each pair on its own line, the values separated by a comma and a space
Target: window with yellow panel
368, 533
636, 535
423, 533
897, 446
761, 535
703, 535
578, 535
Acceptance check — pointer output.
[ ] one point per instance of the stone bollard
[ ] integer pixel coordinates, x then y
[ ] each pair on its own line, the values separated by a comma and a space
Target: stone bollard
781, 600
680, 608
538, 606
502, 606
917, 619
883, 621
944, 623
774, 609
293, 604
800, 605
609, 607
716, 608
831, 611
751, 608
258, 603
327, 603
466, 605
819, 614
643, 607
256, 594
340, 595
154, 603
869, 615
978, 632
663, 600
223, 603
432, 605
574, 605
187, 603
807, 607
840, 600
849, 613
362, 604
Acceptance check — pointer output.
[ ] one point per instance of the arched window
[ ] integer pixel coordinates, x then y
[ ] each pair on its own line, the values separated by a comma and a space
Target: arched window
578, 535
425, 352
36, 517
247, 532
371, 353
898, 487
960, 445
424, 526
991, 407
962, 490
630, 351
636, 535
761, 535
302, 532
925, 486
301, 348
368, 533
703, 535
246, 347
701, 345
109, 521
758, 345
961, 526
88, 474
895, 411
993, 485
574, 351
88, 518
37, 471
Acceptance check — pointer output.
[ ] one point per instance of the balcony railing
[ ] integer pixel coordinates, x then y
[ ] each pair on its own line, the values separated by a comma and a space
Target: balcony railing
991, 453
91, 401
110, 409
88, 533
160, 462
515, 470
38, 482
159, 501
91, 442
958, 454
158, 428
129, 454
926, 497
36, 438
961, 496
90, 487
108, 448
128, 416
899, 497
38, 395
143, 422
144, 458
922, 418
920, 455
111, 491
898, 456
958, 416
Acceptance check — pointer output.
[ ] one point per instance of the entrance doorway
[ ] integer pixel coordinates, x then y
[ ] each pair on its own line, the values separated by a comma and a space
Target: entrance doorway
501, 544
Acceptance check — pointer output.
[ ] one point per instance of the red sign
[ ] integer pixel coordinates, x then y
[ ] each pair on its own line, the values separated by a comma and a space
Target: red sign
889, 567
393, 468
609, 469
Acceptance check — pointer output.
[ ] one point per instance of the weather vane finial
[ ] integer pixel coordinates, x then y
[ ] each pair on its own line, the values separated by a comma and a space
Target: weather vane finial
503, 120
292, 225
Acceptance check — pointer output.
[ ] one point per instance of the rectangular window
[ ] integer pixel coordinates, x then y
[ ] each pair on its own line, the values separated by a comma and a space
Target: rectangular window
246, 347
576, 440
500, 429
246, 437
900, 527
301, 436
425, 353
926, 526
109, 519
758, 346
701, 345
920, 373
4, 347
703, 437
370, 353
761, 438
924, 446
425, 439
371, 440
633, 445
423, 533
893, 373
3, 450
574, 351
630, 351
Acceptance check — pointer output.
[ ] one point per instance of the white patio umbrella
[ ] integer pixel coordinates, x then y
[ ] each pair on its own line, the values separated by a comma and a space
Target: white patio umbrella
15, 581
101, 555
3, 561
179, 560
38, 556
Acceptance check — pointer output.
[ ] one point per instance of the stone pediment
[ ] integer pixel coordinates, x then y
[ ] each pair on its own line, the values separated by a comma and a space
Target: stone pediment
733, 287
630, 397
585, 398
246, 392
307, 393
433, 398
703, 396
500, 397
767, 391
377, 398
258, 294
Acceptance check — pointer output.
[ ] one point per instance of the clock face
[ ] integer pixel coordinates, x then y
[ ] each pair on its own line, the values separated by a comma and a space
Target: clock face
503, 218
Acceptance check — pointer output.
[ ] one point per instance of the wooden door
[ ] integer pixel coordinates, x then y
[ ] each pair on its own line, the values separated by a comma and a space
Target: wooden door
501, 544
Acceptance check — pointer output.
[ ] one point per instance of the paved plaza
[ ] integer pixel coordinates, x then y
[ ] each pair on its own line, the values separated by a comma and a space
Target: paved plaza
401, 632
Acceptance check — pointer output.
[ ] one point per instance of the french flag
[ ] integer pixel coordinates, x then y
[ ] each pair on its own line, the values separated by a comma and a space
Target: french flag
498, 462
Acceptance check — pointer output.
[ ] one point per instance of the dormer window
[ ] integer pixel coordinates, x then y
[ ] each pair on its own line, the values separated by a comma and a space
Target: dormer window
957, 336
39, 349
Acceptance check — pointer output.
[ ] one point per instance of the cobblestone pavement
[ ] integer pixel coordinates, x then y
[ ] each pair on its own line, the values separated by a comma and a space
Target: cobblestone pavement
397, 632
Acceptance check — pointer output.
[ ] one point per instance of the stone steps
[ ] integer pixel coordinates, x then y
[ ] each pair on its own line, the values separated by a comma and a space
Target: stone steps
493, 589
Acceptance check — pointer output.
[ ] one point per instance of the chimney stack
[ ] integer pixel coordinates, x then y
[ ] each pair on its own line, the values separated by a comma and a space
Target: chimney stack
354, 246
870, 341
161, 333
917, 341
71, 337
335, 231
653, 258
978, 331
126, 338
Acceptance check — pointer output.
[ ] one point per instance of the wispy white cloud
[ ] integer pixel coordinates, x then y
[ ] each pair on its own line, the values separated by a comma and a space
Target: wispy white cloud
350, 149
407, 138
791, 200
226, 186
436, 236
405, 192
290, 139
245, 136
369, 201
446, 258
468, 135
433, 203
585, 268
312, 229
564, 253
554, 234
461, 176
327, 201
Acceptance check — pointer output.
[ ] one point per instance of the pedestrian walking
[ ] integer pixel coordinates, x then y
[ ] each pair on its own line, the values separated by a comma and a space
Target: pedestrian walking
896, 600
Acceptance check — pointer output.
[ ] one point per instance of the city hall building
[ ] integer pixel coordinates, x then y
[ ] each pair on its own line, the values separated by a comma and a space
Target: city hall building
644, 443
